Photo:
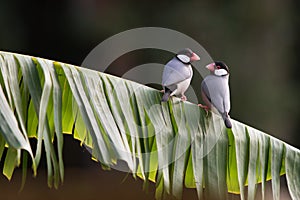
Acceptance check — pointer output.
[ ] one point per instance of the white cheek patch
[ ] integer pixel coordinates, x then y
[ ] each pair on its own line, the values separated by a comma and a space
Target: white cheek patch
220, 72
184, 58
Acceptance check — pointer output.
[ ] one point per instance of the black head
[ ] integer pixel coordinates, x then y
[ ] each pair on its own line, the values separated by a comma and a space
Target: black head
221, 65
188, 52
187, 55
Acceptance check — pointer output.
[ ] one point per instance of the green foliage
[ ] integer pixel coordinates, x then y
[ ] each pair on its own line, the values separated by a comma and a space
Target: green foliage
173, 144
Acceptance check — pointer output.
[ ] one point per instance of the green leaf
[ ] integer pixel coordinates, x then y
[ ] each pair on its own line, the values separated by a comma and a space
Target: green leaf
57, 99
253, 164
242, 154
276, 161
264, 147
10, 162
174, 144
292, 171
9, 126
215, 161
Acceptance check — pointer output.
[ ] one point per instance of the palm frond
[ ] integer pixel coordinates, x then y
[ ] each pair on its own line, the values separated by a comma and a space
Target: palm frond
173, 144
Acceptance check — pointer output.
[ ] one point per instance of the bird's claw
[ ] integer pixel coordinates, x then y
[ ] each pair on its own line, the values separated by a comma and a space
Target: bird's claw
162, 91
203, 106
183, 98
206, 108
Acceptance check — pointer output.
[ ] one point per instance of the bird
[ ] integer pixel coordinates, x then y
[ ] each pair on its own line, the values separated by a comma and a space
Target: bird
215, 90
177, 74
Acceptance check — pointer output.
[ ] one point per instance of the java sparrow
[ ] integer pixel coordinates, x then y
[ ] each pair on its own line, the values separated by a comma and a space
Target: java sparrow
178, 73
215, 90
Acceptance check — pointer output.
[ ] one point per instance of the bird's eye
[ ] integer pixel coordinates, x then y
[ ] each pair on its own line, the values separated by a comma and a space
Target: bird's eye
218, 67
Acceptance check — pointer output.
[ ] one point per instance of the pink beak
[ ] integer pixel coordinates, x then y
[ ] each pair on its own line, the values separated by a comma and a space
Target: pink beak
195, 57
210, 67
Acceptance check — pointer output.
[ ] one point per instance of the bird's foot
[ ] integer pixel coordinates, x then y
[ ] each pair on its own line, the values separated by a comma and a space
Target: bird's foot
206, 108
183, 98
162, 91
203, 106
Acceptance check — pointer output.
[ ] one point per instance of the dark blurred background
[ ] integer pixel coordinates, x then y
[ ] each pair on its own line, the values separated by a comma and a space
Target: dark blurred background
258, 39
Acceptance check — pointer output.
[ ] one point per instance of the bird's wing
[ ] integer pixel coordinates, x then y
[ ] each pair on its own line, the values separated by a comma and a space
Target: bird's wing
205, 95
175, 72
213, 88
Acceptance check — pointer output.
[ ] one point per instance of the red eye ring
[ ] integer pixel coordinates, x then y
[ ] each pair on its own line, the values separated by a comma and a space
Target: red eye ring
218, 67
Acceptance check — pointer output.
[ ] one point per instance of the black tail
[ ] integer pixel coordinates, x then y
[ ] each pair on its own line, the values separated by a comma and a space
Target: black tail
227, 120
166, 95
